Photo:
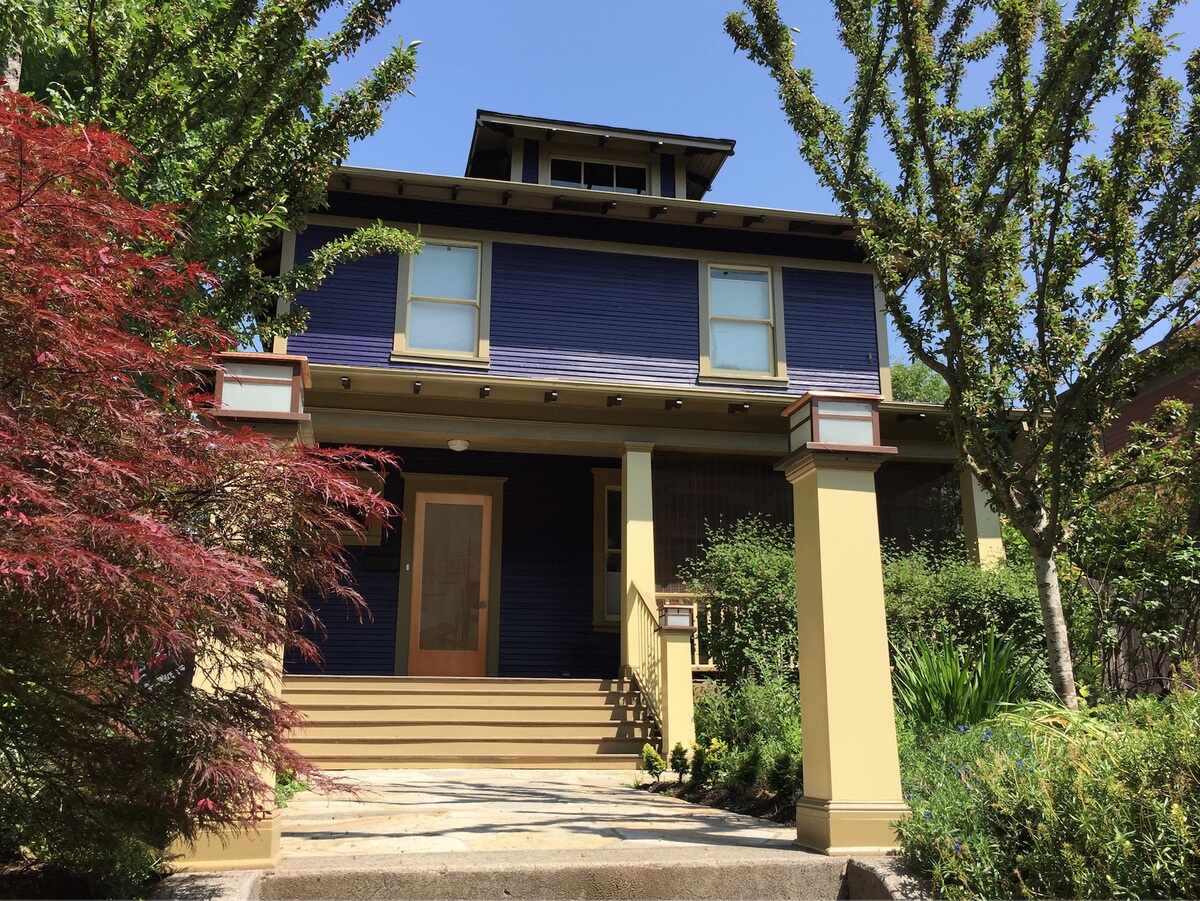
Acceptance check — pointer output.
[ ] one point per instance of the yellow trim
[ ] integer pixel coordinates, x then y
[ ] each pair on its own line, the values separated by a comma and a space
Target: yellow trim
637, 536
981, 524
516, 159
778, 373
881, 341
603, 481
287, 262
482, 303
568, 438
851, 765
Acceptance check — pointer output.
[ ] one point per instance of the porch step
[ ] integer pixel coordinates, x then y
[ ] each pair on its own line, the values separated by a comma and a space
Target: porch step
527, 730
355, 722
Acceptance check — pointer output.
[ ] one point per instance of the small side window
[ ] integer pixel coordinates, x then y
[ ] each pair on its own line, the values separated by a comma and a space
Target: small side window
607, 551
740, 328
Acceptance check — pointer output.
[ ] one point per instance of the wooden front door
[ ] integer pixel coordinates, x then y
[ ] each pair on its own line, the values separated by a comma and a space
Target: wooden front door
452, 545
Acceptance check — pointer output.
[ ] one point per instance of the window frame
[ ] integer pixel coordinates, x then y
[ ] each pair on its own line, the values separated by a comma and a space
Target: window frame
599, 161
777, 373
603, 481
401, 351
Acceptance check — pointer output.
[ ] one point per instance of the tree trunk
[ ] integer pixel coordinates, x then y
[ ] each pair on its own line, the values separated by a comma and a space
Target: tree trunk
1058, 644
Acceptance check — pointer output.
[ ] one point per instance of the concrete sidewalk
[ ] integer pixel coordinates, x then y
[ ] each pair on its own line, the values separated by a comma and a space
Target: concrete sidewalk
437, 811
526, 834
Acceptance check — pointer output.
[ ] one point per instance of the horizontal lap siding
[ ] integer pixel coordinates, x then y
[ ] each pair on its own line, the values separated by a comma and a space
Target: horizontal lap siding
829, 320
352, 316
545, 572
586, 315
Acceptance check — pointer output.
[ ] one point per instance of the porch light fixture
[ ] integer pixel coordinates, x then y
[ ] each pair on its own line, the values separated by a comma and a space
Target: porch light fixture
825, 420
458, 445
417, 386
485, 392
261, 385
551, 397
677, 617
615, 400
345, 381
674, 403
739, 408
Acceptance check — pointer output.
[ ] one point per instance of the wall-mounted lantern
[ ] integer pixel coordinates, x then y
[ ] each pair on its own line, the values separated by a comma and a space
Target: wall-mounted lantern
829, 421
264, 388
677, 616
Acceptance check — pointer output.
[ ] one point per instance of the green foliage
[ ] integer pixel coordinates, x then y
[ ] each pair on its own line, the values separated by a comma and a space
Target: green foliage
652, 761
944, 684
916, 382
1027, 239
746, 575
679, 760
1049, 803
225, 102
287, 786
943, 598
748, 733
1135, 599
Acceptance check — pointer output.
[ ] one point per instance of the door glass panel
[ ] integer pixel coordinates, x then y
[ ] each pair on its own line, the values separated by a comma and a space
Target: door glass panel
450, 577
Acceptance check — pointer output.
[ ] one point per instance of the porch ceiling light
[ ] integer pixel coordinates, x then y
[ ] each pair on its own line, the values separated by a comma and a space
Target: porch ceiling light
458, 445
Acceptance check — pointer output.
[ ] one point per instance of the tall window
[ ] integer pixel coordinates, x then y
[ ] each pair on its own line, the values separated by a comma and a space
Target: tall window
607, 551
741, 321
443, 299
598, 176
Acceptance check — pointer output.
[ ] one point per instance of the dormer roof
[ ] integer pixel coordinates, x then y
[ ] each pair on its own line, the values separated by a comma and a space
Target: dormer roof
494, 132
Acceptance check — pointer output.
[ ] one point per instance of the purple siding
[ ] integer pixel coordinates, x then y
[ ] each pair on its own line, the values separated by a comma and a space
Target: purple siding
830, 331
579, 314
529, 163
666, 176
352, 316
545, 573
588, 315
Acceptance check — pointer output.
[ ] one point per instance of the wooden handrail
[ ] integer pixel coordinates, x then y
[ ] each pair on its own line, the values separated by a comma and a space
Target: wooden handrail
646, 659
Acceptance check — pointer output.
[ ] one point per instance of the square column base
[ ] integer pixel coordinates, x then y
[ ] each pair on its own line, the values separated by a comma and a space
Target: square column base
254, 848
848, 827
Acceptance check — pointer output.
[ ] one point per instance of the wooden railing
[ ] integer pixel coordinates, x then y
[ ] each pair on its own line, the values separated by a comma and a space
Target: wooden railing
701, 661
646, 651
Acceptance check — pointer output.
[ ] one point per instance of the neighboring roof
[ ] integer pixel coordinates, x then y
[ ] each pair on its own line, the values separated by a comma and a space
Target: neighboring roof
703, 157
546, 198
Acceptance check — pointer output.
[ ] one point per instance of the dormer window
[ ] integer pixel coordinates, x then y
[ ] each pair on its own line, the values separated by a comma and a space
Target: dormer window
596, 175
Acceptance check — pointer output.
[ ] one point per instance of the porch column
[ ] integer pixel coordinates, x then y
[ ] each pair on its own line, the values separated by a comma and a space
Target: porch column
637, 537
981, 524
851, 765
266, 392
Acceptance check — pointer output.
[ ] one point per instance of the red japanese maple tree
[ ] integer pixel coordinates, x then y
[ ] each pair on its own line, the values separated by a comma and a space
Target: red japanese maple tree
152, 563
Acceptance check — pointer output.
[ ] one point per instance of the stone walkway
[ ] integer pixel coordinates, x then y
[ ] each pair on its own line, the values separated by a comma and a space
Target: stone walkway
400, 812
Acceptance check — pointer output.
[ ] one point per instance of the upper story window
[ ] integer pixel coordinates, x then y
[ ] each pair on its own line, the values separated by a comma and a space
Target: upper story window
443, 309
597, 175
741, 331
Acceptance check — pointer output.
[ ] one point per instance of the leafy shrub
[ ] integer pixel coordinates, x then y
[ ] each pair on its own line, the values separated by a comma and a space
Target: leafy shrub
941, 597
940, 683
1050, 803
744, 730
287, 786
652, 761
745, 573
679, 760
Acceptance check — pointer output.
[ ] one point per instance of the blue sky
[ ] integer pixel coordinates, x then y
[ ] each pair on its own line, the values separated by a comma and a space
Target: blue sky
656, 64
